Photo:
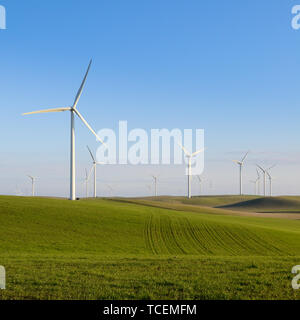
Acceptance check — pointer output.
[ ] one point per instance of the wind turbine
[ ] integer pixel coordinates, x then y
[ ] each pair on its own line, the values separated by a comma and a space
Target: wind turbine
241, 164
149, 188
33, 179
255, 185
265, 172
190, 156
200, 184
95, 163
86, 182
110, 189
270, 179
73, 110
19, 193
258, 180
155, 178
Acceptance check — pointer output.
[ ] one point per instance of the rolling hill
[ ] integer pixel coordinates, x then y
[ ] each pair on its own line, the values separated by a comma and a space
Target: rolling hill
269, 204
54, 248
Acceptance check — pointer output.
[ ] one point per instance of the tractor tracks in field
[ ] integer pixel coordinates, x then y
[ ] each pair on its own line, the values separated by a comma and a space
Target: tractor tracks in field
179, 235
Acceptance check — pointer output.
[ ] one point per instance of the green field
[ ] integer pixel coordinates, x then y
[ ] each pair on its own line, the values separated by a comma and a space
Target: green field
151, 248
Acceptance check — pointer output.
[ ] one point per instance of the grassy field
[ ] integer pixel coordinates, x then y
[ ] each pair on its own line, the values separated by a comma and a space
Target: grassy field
165, 248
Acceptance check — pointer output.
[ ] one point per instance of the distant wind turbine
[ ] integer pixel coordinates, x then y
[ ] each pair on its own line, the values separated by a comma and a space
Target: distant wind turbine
111, 190
241, 164
200, 184
155, 179
94, 168
190, 156
19, 193
270, 180
33, 179
73, 110
149, 188
86, 182
258, 181
255, 185
265, 178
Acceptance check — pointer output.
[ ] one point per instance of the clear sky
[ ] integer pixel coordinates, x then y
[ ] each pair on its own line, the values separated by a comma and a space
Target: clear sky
229, 67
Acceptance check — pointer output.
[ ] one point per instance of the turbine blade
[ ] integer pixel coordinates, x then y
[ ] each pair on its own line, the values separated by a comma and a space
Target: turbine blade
47, 111
184, 149
81, 87
258, 175
272, 167
263, 170
197, 152
91, 153
89, 127
245, 157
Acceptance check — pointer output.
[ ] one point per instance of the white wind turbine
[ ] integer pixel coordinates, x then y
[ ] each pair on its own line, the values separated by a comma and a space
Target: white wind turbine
73, 110
200, 184
190, 156
255, 185
33, 179
148, 186
270, 180
19, 193
111, 190
265, 178
94, 168
155, 179
241, 164
86, 182
258, 182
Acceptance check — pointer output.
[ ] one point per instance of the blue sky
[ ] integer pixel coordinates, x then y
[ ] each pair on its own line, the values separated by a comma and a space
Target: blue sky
229, 67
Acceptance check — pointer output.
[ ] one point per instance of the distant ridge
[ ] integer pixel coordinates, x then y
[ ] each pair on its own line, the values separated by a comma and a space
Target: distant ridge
269, 203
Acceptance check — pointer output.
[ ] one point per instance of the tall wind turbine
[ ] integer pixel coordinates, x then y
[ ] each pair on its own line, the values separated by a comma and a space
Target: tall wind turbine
190, 156
94, 168
73, 110
155, 178
33, 179
241, 164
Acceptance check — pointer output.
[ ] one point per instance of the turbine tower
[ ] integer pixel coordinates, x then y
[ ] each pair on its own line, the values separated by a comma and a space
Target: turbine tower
241, 164
33, 179
73, 110
94, 168
190, 156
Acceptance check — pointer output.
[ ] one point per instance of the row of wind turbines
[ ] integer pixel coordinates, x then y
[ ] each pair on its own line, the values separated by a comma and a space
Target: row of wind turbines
266, 173
74, 112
